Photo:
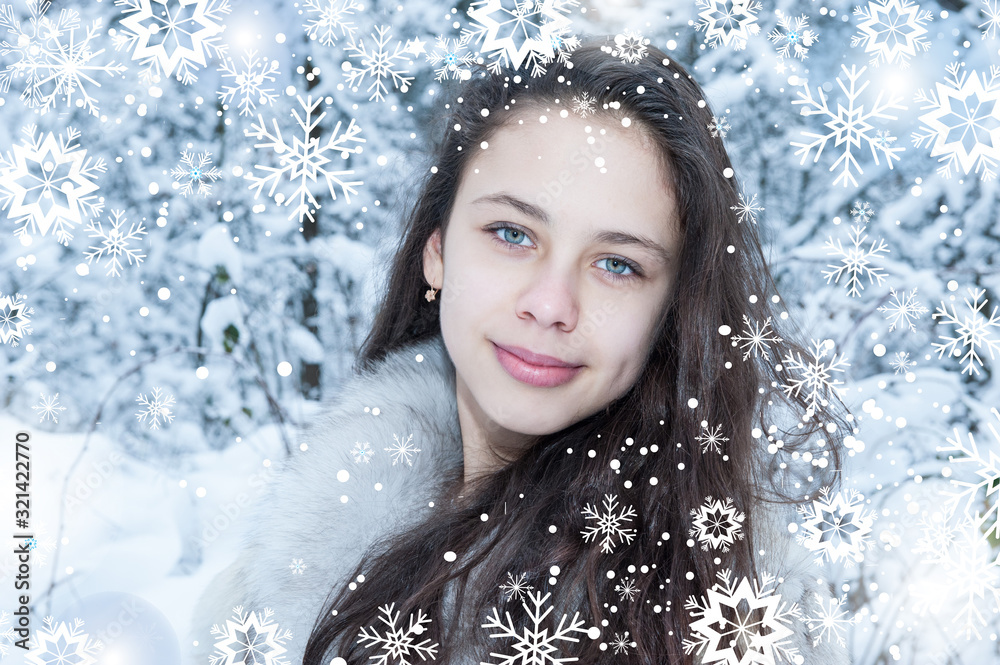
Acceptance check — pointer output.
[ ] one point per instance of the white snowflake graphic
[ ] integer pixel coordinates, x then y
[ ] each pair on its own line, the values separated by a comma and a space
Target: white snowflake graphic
452, 58
792, 37
903, 312
48, 408
837, 528
902, 363
584, 104
297, 567
830, 621
609, 524
520, 32
991, 8
48, 183
719, 127
246, 81
156, 409
717, 524
535, 644
195, 169
56, 58
862, 212
7, 635
961, 125
331, 16
973, 331
627, 589
362, 452
303, 159
849, 127
756, 338
115, 243
621, 643
892, 30
402, 451
516, 587
399, 642
380, 63
172, 37
747, 209
15, 318
249, 637
59, 643
728, 22
966, 497
856, 261
711, 438
815, 378
728, 617
41, 546
630, 46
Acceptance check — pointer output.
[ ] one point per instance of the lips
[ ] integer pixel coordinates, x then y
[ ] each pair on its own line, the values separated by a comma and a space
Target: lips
540, 376
538, 359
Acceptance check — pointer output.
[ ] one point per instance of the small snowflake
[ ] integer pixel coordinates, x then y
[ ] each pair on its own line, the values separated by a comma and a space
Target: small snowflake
250, 637
621, 643
755, 338
855, 261
728, 22
719, 127
362, 452
991, 8
115, 243
627, 589
837, 528
15, 318
830, 620
415, 46
630, 46
156, 409
792, 36
711, 438
815, 377
902, 363
41, 546
893, 30
746, 210
59, 643
402, 451
584, 104
520, 33
248, 81
973, 331
903, 312
399, 642
535, 645
452, 58
849, 126
297, 567
195, 170
609, 523
862, 212
381, 63
516, 587
48, 408
717, 523
331, 17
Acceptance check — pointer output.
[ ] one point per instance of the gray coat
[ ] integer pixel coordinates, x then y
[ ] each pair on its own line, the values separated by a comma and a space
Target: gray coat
314, 512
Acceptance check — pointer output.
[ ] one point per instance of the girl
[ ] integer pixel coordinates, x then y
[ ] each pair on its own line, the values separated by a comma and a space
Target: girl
553, 450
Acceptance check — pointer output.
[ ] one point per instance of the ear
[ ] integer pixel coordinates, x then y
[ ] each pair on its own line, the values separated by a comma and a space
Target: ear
434, 260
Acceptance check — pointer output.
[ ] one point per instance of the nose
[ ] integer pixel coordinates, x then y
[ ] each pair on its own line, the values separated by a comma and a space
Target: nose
551, 298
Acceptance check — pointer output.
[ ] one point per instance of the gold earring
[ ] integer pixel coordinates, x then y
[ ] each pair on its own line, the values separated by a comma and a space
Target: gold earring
429, 295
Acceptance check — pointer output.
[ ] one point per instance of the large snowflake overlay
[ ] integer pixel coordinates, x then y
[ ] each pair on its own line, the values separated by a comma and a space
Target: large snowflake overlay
249, 637
892, 30
837, 527
399, 642
248, 81
61, 643
48, 408
902, 312
967, 495
815, 378
15, 318
755, 338
740, 614
156, 409
331, 17
402, 450
48, 183
961, 125
991, 8
53, 58
855, 261
302, 160
534, 645
830, 621
792, 37
520, 32
849, 127
195, 169
115, 243
717, 523
452, 58
609, 524
168, 36
728, 22
380, 62
973, 331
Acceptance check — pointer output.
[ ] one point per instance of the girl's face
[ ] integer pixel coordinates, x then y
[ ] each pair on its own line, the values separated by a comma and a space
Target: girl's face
563, 242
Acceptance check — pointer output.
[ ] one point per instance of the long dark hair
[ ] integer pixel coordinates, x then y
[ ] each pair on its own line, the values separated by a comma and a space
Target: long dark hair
721, 266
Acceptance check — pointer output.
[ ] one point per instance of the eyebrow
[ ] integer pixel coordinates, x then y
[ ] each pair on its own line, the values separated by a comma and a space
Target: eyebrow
608, 236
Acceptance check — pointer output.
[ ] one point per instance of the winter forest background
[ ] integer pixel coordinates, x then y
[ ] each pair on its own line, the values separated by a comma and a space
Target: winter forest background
174, 302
